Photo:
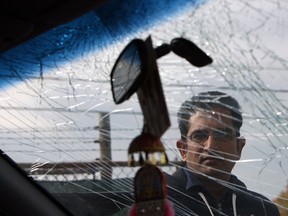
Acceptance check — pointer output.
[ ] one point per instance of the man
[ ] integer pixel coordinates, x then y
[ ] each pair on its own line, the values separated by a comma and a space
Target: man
210, 145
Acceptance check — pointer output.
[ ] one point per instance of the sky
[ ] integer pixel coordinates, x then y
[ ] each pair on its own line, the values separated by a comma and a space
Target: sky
54, 86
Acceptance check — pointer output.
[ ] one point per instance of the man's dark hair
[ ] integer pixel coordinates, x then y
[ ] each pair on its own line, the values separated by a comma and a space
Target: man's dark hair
206, 101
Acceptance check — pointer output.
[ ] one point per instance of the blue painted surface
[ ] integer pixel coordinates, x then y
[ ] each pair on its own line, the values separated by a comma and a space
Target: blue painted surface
93, 31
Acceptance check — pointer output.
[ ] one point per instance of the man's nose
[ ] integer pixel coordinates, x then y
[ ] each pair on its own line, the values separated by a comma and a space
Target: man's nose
211, 143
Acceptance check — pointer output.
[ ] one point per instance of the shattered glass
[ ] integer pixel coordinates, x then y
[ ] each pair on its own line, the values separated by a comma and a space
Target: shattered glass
56, 93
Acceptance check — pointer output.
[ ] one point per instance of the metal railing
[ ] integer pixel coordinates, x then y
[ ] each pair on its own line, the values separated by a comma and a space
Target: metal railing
70, 171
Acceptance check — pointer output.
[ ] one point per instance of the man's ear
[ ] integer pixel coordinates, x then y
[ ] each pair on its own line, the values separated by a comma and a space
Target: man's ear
241, 141
182, 147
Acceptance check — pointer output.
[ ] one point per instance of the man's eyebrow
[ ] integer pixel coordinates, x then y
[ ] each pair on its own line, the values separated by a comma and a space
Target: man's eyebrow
224, 129
200, 130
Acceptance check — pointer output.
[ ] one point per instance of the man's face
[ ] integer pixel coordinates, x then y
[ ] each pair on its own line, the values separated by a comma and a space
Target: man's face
211, 147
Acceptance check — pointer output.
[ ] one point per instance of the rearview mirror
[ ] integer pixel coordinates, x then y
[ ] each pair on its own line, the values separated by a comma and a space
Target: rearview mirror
129, 71
131, 68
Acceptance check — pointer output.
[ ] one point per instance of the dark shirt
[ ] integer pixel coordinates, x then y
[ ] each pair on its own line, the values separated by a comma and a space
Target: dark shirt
192, 181
190, 197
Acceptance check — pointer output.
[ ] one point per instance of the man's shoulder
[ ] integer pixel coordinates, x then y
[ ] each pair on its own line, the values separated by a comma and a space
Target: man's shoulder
177, 179
251, 199
255, 199
253, 195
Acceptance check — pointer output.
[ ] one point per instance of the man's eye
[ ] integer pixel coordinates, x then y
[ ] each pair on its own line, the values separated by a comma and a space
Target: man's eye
220, 134
199, 136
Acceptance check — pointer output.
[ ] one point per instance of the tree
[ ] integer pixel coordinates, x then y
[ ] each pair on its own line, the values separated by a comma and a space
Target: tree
282, 201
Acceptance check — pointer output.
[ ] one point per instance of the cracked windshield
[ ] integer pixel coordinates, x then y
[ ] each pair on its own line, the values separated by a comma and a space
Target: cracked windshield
189, 119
